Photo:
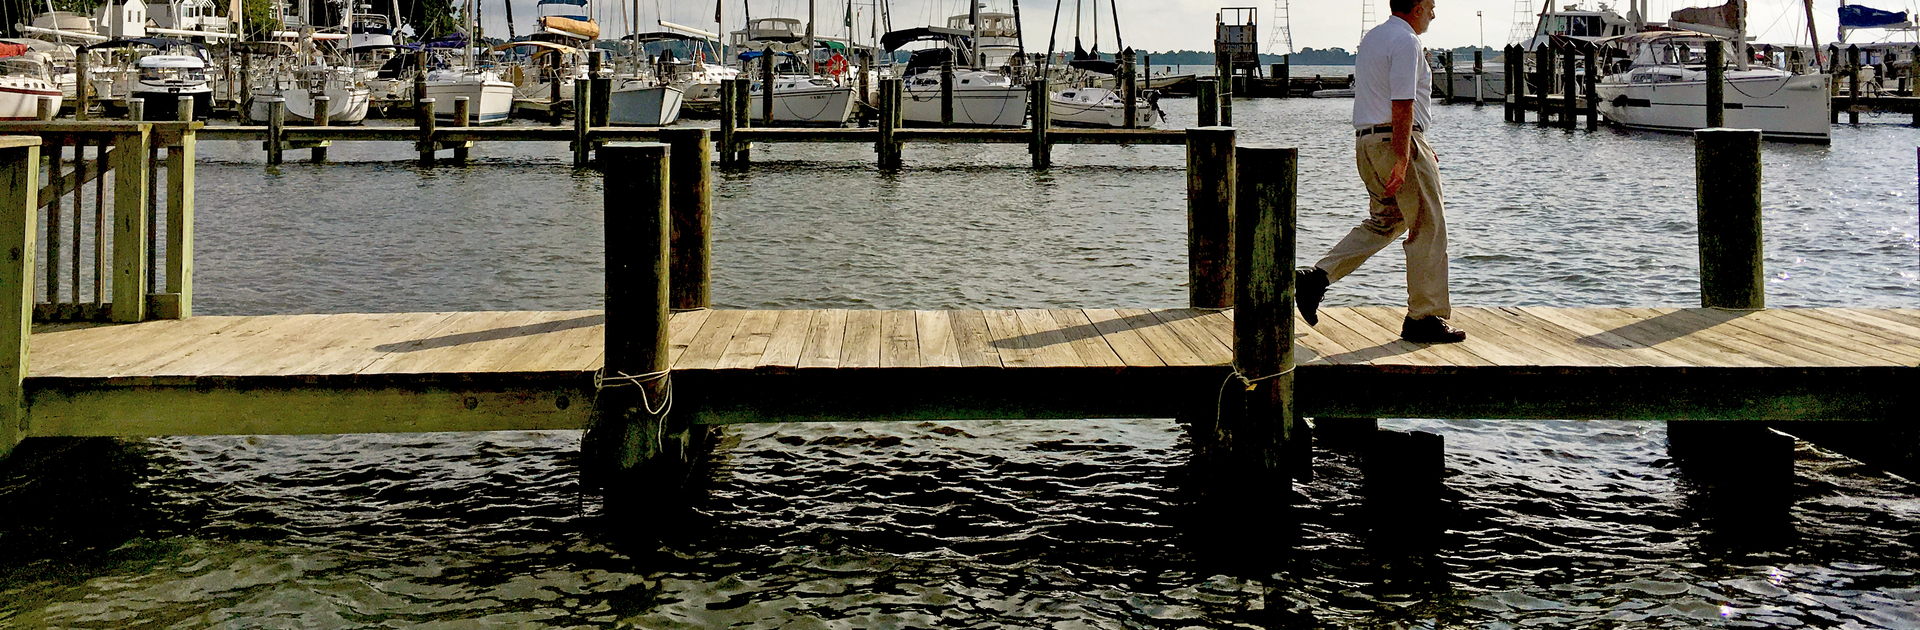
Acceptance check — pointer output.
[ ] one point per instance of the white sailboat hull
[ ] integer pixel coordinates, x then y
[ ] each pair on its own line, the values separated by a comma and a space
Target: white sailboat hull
1782, 107
345, 106
20, 98
985, 106
809, 105
644, 105
1098, 107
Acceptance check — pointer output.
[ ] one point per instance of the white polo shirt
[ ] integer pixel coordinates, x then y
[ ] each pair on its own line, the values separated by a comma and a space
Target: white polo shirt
1392, 67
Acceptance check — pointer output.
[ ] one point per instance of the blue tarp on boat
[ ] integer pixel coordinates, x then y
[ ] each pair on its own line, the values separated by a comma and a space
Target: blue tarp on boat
1857, 16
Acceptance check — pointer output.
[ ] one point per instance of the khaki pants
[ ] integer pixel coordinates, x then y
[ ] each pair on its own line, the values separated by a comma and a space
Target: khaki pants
1416, 211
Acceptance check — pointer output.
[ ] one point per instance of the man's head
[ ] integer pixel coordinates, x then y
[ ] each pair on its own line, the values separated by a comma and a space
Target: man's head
1418, 13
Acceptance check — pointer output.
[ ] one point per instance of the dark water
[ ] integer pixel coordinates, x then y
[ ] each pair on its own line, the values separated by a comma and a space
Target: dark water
1065, 524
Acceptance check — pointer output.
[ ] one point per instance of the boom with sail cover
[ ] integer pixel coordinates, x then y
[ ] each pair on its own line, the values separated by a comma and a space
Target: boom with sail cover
1860, 16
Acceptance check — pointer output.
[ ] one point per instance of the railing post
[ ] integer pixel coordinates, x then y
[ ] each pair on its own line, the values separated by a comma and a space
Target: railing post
1716, 84
1210, 188
946, 93
628, 431
1042, 148
130, 224
691, 197
462, 116
321, 118
1732, 261
276, 128
423, 112
1206, 96
180, 187
1128, 89
19, 210
1262, 437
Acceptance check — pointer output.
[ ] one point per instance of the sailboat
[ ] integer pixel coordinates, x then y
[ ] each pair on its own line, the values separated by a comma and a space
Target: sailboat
307, 67
1663, 85
1085, 104
982, 96
489, 99
642, 95
799, 95
25, 79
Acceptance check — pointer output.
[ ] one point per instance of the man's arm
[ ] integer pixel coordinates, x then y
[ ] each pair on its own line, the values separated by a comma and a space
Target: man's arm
1402, 145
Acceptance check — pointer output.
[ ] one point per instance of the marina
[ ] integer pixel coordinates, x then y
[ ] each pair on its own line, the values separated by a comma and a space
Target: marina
915, 372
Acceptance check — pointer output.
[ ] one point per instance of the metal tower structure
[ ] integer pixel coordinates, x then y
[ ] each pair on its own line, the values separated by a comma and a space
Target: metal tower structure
1366, 17
1524, 21
1282, 42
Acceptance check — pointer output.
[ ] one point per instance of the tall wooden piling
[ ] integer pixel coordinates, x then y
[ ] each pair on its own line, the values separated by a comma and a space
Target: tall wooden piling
463, 117
43, 110
1206, 96
1479, 78
628, 431
946, 93
727, 122
766, 86
276, 128
1569, 87
1732, 264
1226, 100
1283, 72
1261, 438
1716, 84
1853, 84
321, 118
690, 194
1041, 147
886, 146
1543, 60
19, 213
1210, 190
1516, 84
743, 113
602, 89
420, 60
1591, 89
136, 109
82, 88
423, 113
1130, 111
1447, 58
582, 123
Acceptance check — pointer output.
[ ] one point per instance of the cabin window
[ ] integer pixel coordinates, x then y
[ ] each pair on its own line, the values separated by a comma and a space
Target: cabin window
965, 81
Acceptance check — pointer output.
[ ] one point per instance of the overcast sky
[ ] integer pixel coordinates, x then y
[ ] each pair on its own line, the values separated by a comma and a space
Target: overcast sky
1188, 24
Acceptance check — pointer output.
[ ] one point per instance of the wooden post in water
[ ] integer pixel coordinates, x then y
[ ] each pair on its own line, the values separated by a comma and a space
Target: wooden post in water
1727, 172
19, 211
766, 86
1569, 87
1853, 84
1517, 84
1206, 96
627, 432
727, 122
463, 117
1479, 78
1544, 57
420, 60
131, 179
888, 148
1447, 58
44, 109
1260, 439
743, 112
555, 93
1716, 84
136, 109
1042, 146
1130, 111
1210, 189
321, 118
946, 93
602, 88
82, 92
1592, 89
426, 144
276, 128
690, 194
183, 109
582, 123
1284, 73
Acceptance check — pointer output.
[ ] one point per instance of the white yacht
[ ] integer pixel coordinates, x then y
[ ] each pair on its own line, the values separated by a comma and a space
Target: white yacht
1100, 107
983, 94
1663, 86
24, 80
489, 98
302, 72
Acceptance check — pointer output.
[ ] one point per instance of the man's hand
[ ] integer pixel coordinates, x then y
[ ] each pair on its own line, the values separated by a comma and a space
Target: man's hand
1397, 177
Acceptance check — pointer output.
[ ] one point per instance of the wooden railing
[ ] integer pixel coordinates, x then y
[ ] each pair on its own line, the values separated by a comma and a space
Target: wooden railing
117, 213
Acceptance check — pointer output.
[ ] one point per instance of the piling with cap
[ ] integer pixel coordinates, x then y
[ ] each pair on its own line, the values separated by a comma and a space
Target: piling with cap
276, 128
462, 116
426, 143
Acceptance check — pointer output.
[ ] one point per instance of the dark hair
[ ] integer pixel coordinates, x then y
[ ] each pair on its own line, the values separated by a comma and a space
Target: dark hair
1402, 6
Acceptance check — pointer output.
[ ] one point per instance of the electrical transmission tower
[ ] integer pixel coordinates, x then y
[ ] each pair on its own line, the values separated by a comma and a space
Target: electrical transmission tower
1524, 20
1366, 17
1282, 42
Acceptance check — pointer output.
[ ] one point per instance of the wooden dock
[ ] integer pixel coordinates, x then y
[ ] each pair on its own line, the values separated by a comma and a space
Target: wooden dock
480, 371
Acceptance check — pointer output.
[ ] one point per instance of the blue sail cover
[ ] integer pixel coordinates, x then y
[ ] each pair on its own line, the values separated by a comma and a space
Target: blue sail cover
1856, 16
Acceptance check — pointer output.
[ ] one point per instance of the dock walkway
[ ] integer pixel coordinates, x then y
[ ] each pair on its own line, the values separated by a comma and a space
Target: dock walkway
473, 371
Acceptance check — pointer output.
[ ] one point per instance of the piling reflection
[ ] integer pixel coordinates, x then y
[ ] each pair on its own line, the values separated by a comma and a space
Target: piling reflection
67, 499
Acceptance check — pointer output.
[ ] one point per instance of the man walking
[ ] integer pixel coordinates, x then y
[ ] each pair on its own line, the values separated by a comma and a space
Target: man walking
1393, 90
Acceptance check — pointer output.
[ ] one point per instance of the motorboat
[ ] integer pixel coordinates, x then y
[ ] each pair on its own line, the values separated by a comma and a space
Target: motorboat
24, 80
1658, 81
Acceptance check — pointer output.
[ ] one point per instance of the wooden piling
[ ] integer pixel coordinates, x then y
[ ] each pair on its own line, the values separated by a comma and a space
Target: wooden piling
1479, 78
1284, 72
556, 94
743, 118
886, 146
1447, 58
1041, 147
463, 117
1728, 176
766, 85
1516, 85
276, 128
1592, 90
1130, 111
628, 432
1853, 84
602, 90
1206, 96
321, 118
1226, 100
1210, 189
582, 123
690, 195
82, 92
423, 113
183, 109
1261, 438
1569, 88
1716, 84
44, 109
19, 213
1543, 68
946, 93
136, 109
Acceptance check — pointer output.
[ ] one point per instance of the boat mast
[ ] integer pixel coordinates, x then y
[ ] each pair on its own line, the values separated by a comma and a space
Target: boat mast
973, 18
813, 61
1814, 36
473, 24
1741, 57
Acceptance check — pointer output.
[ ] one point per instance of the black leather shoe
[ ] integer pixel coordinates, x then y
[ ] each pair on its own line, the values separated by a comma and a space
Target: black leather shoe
1309, 285
1430, 329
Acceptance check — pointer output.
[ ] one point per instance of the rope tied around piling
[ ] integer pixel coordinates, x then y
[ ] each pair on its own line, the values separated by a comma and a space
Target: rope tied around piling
622, 379
1220, 400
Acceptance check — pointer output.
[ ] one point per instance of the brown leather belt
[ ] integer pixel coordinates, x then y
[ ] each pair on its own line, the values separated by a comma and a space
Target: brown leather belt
1363, 131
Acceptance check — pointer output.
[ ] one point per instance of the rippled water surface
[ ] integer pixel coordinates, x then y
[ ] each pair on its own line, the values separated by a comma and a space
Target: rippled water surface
1020, 524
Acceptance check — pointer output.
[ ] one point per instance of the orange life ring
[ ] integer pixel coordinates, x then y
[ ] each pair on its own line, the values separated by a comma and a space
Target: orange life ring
837, 65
